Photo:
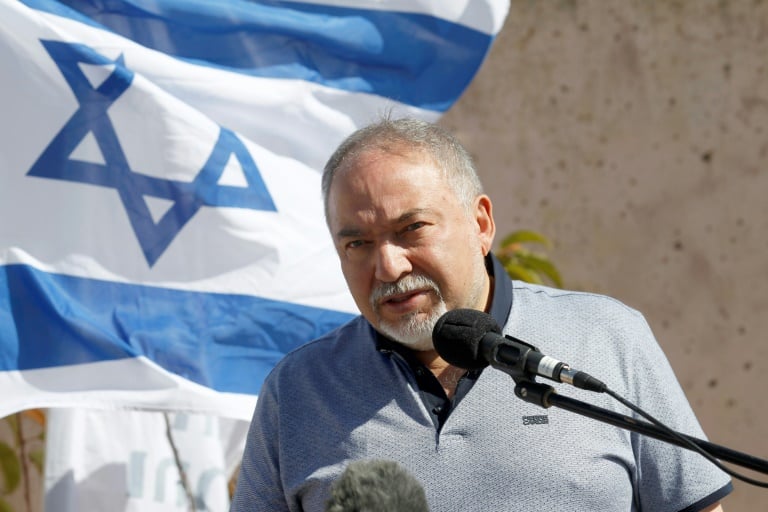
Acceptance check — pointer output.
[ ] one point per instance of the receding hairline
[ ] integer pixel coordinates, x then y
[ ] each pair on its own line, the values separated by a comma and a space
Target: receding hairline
411, 139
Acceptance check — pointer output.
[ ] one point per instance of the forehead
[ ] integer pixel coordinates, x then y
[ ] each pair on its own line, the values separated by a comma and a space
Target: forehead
386, 172
391, 167
383, 185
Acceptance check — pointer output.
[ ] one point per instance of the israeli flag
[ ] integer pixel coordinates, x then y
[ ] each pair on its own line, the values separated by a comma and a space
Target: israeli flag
162, 237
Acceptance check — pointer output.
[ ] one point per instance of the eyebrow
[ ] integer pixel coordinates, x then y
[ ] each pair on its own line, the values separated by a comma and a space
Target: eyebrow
348, 232
354, 232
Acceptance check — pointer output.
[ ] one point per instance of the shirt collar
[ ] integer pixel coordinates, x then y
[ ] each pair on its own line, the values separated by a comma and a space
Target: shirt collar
501, 302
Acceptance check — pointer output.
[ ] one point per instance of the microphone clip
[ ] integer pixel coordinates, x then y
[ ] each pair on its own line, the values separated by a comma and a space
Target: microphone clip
518, 352
533, 392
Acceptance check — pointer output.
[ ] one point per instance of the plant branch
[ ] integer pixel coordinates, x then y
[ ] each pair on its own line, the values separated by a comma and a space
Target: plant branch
22, 443
179, 466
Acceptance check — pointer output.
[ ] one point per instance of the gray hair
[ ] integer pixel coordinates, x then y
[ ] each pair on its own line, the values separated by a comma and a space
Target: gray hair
409, 136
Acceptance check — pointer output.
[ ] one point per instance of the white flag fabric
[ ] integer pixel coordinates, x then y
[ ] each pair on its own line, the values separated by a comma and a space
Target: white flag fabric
162, 238
115, 461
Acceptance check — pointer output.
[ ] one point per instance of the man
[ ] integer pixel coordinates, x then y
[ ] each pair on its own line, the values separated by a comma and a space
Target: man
413, 231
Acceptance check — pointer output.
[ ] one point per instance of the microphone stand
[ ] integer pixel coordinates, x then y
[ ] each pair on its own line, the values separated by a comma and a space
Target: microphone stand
545, 396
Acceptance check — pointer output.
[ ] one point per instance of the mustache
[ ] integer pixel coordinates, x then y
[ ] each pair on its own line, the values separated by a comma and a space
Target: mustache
406, 284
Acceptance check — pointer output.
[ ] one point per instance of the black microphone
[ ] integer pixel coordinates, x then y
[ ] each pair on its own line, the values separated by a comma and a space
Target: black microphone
471, 339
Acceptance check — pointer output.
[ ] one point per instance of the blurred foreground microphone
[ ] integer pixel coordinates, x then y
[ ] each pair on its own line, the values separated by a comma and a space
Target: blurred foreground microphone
376, 486
471, 339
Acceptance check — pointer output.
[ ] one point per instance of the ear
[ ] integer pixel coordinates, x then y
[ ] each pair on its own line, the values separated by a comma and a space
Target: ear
485, 224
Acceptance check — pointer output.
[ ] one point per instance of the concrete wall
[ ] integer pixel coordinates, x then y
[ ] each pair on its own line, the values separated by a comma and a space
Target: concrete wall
635, 135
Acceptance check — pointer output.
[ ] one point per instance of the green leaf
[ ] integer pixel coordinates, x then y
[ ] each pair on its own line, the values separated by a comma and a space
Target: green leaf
37, 457
541, 265
13, 422
10, 469
5, 506
521, 273
526, 236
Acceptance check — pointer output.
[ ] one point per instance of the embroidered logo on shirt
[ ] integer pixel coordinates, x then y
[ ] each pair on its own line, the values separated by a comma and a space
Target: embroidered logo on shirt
536, 420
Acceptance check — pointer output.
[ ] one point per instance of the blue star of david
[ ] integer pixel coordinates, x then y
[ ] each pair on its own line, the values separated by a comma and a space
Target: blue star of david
186, 197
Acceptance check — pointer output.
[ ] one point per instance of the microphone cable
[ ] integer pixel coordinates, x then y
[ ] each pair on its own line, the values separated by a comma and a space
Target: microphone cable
687, 442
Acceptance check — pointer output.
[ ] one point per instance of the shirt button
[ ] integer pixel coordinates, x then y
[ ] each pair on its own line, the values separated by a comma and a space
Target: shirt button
438, 409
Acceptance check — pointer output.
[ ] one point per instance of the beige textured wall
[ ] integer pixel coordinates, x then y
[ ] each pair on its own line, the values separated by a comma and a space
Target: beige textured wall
635, 135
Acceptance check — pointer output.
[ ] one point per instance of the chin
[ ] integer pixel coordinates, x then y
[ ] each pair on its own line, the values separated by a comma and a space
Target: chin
415, 329
416, 337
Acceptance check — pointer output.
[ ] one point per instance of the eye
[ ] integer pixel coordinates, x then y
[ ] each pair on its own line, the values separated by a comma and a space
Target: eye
354, 244
414, 226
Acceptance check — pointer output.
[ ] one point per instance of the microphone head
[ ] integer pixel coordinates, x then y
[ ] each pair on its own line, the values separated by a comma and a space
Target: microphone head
458, 334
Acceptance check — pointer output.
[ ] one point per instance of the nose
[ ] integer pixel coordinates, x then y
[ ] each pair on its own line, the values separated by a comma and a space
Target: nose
391, 262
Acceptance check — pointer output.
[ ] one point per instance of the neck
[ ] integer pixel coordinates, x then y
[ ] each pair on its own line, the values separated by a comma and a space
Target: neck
447, 374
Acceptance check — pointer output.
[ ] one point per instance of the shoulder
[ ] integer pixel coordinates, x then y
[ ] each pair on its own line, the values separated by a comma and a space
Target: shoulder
563, 311
527, 294
543, 305
587, 329
337, 347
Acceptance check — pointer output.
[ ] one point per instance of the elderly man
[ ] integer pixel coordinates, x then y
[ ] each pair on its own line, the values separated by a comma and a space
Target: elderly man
413, 231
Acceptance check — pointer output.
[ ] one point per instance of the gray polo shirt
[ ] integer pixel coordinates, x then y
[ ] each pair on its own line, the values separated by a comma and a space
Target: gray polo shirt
339, 399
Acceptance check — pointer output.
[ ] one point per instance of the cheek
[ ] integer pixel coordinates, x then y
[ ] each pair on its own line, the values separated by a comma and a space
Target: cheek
358, 282
457, 268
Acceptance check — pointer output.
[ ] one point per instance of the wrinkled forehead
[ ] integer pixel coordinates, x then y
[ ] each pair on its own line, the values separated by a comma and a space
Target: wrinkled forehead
377, 168
370, 153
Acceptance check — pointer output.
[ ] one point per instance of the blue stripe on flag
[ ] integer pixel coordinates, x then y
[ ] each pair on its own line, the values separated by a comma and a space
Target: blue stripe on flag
416, 59
226, 342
